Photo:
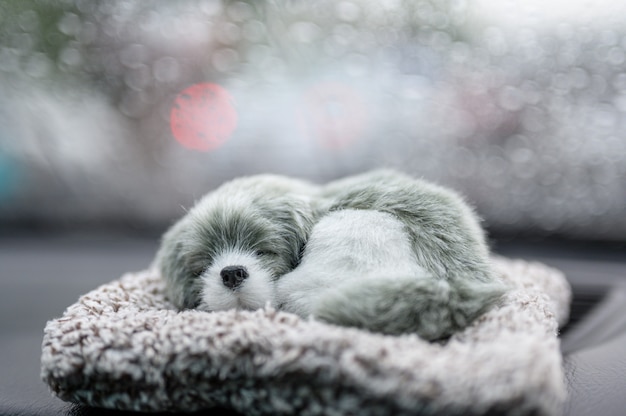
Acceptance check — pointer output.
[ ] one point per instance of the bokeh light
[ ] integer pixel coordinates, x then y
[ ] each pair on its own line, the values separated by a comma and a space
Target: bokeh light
333, 114
203, 117
519, 105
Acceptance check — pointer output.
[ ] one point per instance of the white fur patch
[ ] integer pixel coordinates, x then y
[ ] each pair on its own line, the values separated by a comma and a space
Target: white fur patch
347, 247
253, 293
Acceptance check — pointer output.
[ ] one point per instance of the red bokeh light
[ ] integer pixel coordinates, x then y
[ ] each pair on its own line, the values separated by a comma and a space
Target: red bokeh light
203, 117
334, 114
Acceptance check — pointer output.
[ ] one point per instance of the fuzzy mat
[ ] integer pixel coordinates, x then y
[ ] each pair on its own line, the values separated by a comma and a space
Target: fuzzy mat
123, 346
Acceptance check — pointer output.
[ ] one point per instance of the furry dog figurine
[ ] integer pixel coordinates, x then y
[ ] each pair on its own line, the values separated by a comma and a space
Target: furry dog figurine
380, 251
356, 269
395, 255
227, 251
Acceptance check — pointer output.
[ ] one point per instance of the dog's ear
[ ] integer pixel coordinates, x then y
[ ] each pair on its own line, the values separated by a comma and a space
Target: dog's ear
304, 218
171, 261
295, 216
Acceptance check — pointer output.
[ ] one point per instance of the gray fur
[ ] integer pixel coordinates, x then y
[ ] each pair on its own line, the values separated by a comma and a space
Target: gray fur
440, 284
434, 309
267, 218
446, 240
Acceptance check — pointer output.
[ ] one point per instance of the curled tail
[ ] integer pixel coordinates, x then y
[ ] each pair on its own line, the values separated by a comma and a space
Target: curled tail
431, 308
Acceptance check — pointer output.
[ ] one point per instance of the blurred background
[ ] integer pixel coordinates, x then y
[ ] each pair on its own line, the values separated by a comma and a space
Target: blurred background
118, 114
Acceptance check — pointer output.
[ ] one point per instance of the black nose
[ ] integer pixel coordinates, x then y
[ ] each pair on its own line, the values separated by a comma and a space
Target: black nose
232, 276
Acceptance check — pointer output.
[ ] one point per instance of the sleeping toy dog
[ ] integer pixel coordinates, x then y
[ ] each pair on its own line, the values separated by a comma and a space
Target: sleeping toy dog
379, 251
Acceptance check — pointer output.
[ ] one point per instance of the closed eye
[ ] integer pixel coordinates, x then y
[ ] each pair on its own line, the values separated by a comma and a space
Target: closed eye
197, 273
301, 253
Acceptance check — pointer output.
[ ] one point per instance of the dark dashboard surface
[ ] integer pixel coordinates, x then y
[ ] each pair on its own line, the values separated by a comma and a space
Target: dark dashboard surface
41, 275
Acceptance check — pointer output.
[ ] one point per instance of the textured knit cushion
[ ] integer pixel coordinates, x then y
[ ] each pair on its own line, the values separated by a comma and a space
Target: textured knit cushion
123, 346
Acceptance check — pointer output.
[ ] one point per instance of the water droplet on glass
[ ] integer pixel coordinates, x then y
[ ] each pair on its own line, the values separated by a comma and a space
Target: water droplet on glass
344, 34
28, 21
620, 102
533, 119
228, 33
616, 56
22, 42
38, 65
88, 33
9, 60
598, 84
211, 7
603, 118
253, 31
348, 11
257, 54
134, 55
224, 59
239, 11
579, 78
619, 81
138, 78
609, 37
166, 69
495, 41
511, 98
133, 104
70, 24
149, 21
70, 57
304, 32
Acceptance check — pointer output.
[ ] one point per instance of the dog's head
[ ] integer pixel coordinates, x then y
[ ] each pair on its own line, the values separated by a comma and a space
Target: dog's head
231, 247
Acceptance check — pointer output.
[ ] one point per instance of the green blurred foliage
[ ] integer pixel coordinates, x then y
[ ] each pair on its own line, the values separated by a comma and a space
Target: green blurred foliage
38, 21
